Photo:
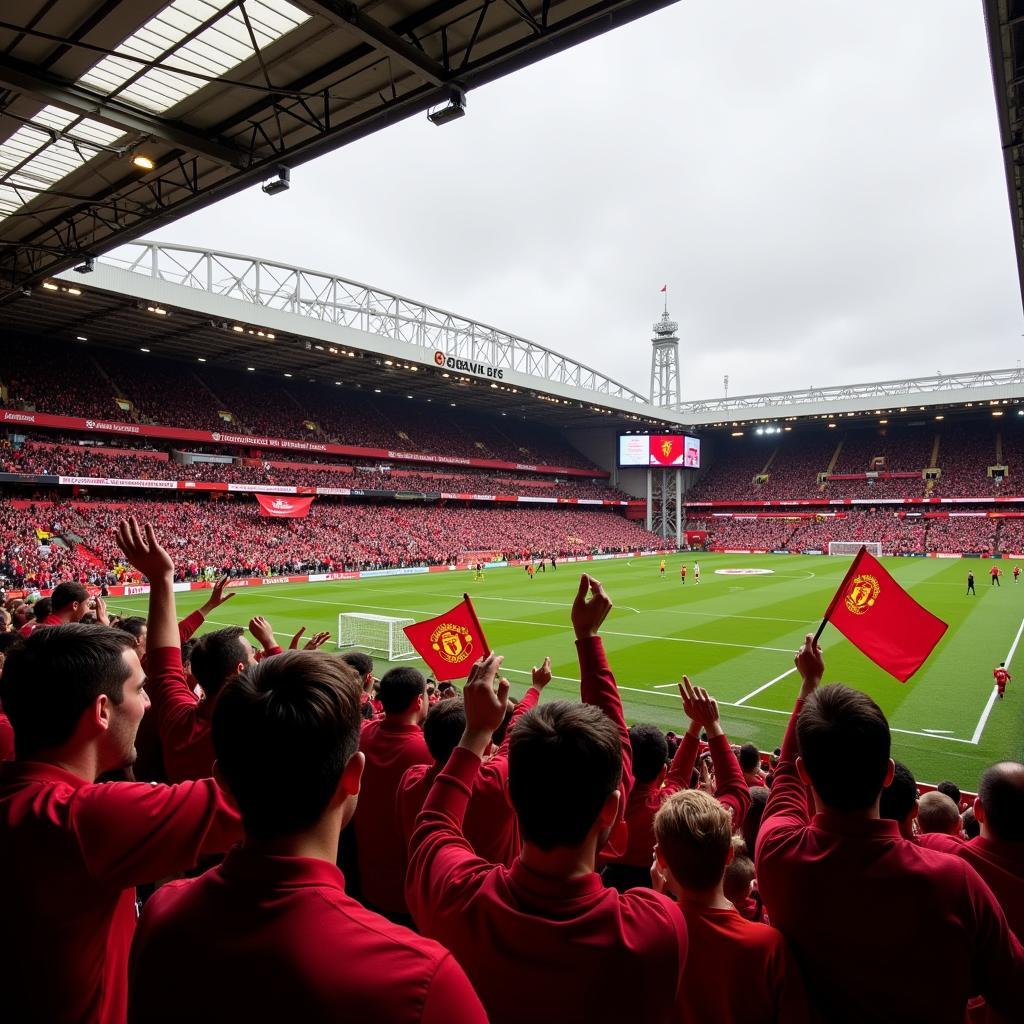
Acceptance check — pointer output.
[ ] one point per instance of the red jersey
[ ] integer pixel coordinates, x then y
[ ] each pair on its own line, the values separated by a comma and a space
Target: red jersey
1001, 676
490, 826
851, 893
555, 949
646, 799
277, 939
539, 948
995, 571
77, 850
738, 971
391, 749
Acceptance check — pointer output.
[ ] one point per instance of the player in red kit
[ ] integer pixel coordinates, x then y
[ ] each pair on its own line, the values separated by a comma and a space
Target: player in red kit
1016, 573
995, 572
1002, 677
682, 573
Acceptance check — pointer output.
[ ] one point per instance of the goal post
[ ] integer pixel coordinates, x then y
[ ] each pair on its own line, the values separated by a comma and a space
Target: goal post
381, 633
851, 547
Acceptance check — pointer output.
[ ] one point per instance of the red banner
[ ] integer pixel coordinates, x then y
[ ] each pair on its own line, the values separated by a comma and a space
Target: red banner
450, 643
667, 449
879, 617
282, 507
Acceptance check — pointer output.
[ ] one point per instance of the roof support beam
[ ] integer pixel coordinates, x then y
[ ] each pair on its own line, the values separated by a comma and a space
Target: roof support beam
85, 103
346, 15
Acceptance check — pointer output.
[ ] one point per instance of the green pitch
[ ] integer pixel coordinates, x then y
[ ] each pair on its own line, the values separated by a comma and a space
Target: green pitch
733, 634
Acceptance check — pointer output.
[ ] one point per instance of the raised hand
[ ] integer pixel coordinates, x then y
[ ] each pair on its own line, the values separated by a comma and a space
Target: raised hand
263, 632
587, 615
810, 664
541, 676
217, 596
101, 611
700, 707
485, 706
143, 550
315, 641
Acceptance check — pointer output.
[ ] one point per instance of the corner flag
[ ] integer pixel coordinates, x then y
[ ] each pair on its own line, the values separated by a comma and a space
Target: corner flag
451, 642
879, 617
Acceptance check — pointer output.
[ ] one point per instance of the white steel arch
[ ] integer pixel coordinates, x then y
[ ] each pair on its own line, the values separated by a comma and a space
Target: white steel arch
336, 300
919, 388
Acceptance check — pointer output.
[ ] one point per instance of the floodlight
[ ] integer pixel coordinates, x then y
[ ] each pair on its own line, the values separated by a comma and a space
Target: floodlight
280, 183
455, 108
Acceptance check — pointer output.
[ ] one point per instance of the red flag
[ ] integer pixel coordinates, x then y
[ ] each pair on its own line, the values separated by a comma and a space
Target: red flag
664, 288
284, 506
450, 643
877, 615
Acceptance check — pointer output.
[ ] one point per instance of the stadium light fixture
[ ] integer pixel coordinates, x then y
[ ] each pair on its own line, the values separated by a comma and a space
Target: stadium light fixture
143, 162
831, 426
997, 412
74, 291
940, 417
281, 182
202, 359
250, 368
50, 286
452, 111
146, 350
81, 337
883, 422
737, 433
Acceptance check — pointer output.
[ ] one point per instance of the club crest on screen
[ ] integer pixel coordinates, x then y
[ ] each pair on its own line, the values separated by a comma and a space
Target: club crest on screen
863, 593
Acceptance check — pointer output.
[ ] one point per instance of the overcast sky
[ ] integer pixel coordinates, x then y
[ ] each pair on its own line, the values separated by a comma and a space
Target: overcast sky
819, 184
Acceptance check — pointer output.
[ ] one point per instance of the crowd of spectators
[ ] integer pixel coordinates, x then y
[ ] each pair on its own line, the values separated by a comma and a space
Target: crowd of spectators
231, 536
503, 860
68, 460
749, 533
176, 394
962, 533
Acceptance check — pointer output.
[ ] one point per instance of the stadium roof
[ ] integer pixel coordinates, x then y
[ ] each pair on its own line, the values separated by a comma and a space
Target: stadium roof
249, 315
1004, 24
116, 117
910, 396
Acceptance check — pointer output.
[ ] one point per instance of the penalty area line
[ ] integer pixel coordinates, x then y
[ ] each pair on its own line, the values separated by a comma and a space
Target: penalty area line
771, 682
983, 721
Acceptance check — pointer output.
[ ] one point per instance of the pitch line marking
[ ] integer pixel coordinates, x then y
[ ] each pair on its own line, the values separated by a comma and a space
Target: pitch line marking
771, 682
983, 721
528, 622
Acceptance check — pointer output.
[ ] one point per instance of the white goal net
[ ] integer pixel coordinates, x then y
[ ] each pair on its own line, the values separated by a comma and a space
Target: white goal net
851, 547
381, 633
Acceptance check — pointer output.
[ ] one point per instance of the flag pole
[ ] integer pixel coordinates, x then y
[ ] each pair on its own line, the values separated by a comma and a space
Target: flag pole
476, 622
839, 590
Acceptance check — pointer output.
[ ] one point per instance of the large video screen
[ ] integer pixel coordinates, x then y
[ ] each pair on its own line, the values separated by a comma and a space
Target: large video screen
659, 450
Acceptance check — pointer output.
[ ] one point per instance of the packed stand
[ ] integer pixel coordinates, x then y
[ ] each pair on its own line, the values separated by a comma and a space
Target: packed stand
962, 533
231, 536
896, 534
748, 533
70, 373
69, 460
965, 453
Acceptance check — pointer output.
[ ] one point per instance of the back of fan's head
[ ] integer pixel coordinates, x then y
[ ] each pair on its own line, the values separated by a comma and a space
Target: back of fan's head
650, 752
216, 657
55, 675
443, 728
694, 834
399, 687
67, 594
845, 743
565, 759
283, 730
1001, 796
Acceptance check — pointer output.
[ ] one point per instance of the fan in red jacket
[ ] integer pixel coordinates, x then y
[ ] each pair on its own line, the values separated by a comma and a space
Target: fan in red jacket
736, 970
545, 940
72, 851
276, 934
849, 893
490, 825
391, 747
